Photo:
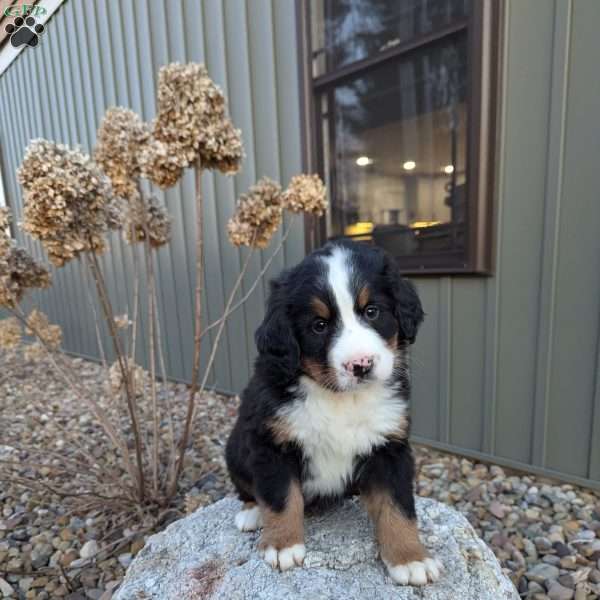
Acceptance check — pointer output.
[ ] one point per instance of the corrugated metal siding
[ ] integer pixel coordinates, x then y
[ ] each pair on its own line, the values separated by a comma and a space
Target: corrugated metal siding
508, 366
103, 53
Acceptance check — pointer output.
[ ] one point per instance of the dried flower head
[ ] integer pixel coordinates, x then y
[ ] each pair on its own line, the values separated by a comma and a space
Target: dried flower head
136, 374
10, 333
306, 193
122, 321
34, 352
18, 273
121, 137
39, 326
68, 200
222, 147
192, 119
160, 164
150, 217
258, 215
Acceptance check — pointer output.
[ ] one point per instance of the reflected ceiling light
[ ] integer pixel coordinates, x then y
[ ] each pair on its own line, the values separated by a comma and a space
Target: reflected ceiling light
363, 161
449, 169
409, 165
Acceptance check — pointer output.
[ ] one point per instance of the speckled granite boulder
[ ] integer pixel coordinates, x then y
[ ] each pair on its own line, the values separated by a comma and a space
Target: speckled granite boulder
204, 557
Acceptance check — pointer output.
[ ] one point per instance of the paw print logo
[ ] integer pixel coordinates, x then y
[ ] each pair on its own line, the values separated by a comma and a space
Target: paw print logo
24, 32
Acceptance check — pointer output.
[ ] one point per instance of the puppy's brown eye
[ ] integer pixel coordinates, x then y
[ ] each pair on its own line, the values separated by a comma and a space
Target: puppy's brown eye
371, 312
319, 326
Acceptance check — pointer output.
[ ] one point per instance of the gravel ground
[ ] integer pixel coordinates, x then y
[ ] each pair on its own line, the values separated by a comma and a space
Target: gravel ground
545, 534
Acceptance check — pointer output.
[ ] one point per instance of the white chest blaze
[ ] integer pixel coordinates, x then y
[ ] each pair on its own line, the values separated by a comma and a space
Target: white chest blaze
334, 429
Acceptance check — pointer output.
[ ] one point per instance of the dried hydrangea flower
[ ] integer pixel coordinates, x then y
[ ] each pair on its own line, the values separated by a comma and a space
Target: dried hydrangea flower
34, 352
192, 119
68, 200
18, 273
11, 333
222, 148
136, 373
258, 215
159, 164
121, 137
4, 225
151, 217
306, 193
39, 326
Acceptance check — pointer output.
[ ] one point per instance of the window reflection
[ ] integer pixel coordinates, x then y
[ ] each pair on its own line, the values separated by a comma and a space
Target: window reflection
345, 31
395, 152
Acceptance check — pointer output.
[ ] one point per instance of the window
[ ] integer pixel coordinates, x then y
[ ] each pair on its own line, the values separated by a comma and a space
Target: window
401, 124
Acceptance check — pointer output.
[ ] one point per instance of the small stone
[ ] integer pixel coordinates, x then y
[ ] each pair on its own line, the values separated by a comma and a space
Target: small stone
497, 509
125, 559
25, 583
568, 562
89, 549
558, 592
40, 555
542, 572
6, 589
594, 576
562, 549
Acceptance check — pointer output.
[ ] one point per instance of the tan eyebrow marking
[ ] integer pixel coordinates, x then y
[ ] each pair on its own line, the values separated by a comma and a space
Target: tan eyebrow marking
320, 308
363, 296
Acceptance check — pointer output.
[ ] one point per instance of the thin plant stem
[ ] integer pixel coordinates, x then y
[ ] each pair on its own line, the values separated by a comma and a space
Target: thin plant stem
152, 349
109, 317
215, 344
197, 325
254, 285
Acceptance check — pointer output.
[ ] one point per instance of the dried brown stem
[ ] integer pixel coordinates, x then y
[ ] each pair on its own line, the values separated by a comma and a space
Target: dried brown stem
125, 373
197, 331
152, 349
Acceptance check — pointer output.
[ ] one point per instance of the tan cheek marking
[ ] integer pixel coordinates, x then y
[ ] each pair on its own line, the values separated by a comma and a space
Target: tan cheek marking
322, 374
363, 297
393, 342
398, 536
321, 309
286, 528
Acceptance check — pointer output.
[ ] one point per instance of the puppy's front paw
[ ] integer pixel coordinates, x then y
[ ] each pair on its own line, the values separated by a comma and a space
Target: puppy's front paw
286, 558
417, 572
249, 519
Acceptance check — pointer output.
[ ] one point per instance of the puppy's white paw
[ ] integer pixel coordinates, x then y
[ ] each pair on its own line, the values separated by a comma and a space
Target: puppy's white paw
249, 519
416, 572
286, 558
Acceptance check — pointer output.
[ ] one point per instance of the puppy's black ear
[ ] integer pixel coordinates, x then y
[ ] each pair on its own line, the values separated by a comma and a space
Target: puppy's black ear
409, 311
275, 338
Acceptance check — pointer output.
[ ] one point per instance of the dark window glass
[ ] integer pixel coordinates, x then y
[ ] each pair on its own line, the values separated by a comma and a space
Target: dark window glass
395, 152
345, 31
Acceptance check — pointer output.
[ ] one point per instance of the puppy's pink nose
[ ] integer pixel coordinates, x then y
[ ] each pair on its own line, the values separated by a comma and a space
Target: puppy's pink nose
360, 366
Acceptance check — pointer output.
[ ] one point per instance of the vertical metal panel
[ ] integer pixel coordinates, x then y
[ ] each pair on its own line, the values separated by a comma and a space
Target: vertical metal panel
526, 138
98, 54
467, 342
425, 409
574, 361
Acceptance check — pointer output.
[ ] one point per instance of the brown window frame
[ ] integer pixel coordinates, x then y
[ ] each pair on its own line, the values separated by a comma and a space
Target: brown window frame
483, 39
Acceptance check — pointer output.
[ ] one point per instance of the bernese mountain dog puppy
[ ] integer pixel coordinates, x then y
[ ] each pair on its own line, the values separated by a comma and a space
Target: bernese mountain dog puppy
325, 414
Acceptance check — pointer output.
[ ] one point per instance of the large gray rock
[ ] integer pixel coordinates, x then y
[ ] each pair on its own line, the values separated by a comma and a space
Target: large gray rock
205, 557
